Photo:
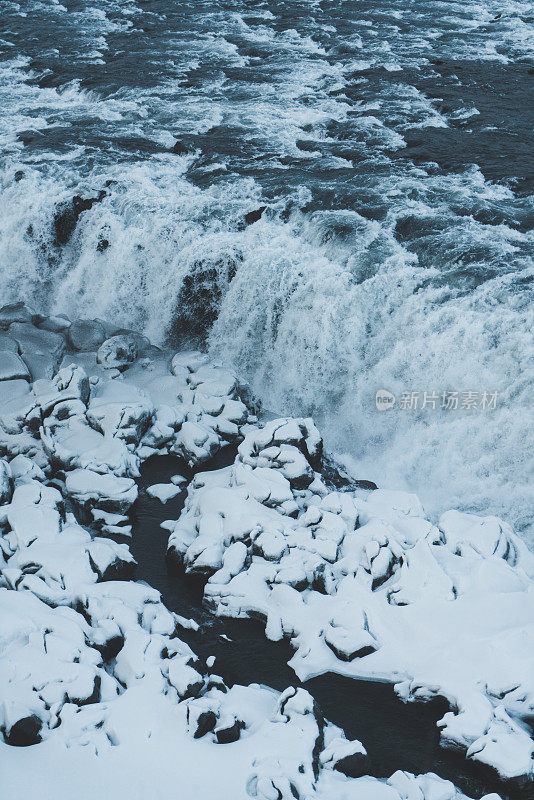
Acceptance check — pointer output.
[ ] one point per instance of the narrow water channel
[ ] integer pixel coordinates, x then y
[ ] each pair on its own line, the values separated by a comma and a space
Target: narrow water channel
396, 735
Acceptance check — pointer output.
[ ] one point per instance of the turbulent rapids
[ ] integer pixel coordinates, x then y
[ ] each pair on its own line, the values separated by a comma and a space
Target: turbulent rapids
329, 196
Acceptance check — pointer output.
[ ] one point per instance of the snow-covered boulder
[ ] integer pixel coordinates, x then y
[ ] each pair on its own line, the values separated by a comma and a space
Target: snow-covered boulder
40, 349
65, 395
86, 334
346, 757
118, 352
46, 666
16, 312
73, 444
12, 367
46, 551
25, 470
56, 323
119, 410
106, 492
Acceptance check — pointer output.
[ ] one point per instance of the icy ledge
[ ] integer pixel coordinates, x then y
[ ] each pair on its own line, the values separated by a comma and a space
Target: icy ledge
97, 689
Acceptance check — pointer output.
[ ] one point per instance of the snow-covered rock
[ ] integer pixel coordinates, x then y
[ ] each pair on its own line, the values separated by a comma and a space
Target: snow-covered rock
40, 349
12, 367
118, 352
65, 395
56, 323
106, 492
86, 334
15, 312
74, 444
105, 423
103, 676
163, 491
46, 551
366, 587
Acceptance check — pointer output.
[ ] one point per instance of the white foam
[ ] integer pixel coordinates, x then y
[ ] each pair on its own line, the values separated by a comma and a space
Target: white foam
329, 307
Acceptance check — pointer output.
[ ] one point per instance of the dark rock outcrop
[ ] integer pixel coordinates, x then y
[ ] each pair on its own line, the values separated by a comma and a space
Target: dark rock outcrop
25, 732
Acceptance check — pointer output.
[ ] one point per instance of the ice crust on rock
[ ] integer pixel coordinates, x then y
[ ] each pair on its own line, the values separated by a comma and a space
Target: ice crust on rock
164, 491
364, 586
95, 666
16, 312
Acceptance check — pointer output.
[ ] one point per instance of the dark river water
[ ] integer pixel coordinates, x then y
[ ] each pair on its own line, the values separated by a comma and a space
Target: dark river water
335, 196
396, 735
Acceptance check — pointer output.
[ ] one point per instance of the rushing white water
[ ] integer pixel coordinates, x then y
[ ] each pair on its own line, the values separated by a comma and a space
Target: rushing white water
370, 269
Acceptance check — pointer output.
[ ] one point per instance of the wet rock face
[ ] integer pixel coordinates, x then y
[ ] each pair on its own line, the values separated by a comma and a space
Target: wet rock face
68, 214
198, 302
353, 766
6, 482
180, 149
111, 648
118, 570
231, 733
205, 723
335, 476
253, 216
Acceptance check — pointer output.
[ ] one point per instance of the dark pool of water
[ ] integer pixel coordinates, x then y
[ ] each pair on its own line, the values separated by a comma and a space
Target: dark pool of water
396, 735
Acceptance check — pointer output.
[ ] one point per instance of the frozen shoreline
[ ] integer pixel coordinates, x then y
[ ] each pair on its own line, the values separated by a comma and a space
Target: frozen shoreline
106, 656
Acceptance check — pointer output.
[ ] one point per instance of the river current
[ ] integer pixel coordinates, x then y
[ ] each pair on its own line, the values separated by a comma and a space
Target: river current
333, 196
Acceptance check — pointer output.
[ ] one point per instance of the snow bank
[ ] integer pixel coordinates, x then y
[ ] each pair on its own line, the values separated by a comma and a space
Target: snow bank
95, 666
364, 586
